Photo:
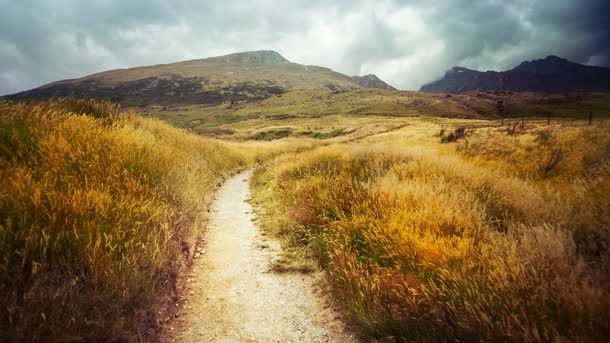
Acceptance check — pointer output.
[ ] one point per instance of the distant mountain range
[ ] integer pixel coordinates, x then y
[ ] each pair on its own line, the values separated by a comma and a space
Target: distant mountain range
551, 74
238, 77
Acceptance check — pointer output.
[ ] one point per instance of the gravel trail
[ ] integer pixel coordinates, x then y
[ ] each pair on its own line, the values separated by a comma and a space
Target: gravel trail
233, 295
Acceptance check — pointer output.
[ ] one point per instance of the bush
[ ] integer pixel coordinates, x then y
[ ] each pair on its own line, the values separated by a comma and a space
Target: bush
272, 134
448, 139
458, 133
325, 135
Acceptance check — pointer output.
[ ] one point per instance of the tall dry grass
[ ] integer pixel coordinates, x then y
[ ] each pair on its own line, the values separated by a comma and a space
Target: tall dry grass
98, 212
439, 244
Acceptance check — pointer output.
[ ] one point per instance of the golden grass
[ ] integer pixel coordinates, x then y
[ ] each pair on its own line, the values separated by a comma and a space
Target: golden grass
479, 242
495, 237
98, 216
555, 152
300, 109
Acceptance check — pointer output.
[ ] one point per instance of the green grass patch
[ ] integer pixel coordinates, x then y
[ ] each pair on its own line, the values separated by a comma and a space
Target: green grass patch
269, 135
273, 219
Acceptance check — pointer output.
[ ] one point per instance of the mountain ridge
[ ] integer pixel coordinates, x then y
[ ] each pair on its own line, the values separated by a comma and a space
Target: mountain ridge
551, 74
238, 77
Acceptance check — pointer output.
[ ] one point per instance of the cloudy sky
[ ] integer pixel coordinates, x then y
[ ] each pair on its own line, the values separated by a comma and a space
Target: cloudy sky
406, 43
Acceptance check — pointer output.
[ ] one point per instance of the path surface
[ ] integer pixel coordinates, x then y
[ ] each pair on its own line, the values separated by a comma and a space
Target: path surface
235, 297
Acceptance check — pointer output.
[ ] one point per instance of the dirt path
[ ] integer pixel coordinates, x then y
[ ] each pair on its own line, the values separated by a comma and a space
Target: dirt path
234, 297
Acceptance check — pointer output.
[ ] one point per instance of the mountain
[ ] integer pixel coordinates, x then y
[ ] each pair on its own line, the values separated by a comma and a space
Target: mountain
239, 77
551, 74
372, 81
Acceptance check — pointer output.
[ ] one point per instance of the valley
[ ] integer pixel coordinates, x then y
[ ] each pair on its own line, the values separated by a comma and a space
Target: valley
301, 111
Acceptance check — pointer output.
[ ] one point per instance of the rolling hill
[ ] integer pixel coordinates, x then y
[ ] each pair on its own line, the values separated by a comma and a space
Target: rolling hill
236, 96
239, 77
551, 74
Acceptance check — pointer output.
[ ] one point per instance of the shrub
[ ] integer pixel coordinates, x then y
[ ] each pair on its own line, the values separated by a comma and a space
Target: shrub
325, 135
272, 134
458, 133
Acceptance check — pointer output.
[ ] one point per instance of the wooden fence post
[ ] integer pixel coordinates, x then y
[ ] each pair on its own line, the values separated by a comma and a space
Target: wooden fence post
590, 117
548, 120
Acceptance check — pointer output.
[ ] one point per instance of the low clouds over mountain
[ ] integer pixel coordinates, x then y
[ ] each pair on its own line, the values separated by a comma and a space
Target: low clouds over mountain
406, 43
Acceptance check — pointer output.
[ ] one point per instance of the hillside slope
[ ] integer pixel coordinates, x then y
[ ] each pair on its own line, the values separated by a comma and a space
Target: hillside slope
238, 77
311, 108
552, 74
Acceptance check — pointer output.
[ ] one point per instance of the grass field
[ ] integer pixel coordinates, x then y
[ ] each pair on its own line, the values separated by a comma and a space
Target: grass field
496, 237
500, 235
316, 113
99, 211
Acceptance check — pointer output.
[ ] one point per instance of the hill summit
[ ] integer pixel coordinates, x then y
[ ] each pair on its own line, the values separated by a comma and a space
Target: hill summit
238, 77
372, 81
265, 58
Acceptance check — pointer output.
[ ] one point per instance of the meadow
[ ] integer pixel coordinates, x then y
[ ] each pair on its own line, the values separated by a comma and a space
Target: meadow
100, 212
499, 235
304, 111
495, 237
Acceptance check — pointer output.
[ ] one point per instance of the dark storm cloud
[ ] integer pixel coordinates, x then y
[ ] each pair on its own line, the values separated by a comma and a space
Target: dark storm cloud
407, 43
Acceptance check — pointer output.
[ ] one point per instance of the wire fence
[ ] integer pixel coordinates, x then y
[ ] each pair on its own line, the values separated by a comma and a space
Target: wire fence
525, 122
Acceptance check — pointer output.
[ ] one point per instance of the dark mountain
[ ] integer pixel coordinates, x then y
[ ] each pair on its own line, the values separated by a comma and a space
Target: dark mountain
239, 77
372, 81
552, 74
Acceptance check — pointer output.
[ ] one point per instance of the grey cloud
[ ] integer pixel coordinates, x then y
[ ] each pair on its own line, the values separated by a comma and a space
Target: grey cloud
407, 43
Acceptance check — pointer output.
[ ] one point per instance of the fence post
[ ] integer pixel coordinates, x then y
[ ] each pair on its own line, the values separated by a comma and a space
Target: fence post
548, 120
590, 117
522, 122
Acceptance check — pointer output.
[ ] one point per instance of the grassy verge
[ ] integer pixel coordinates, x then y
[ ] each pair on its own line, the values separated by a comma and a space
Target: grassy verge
99, 210
494, 239
274, 220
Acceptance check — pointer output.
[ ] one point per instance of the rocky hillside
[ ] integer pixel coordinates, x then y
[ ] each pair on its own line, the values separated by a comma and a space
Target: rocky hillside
239, 77
551, 74
372, 81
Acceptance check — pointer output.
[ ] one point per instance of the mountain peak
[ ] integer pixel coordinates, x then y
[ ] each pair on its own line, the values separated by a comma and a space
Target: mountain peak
555, 66
258, 57
372, 81
457, 69
555, 58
